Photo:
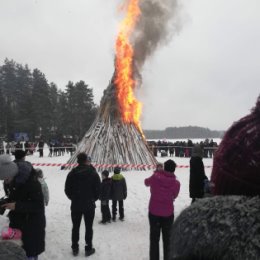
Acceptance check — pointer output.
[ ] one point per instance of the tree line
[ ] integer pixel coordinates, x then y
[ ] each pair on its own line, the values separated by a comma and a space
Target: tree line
183, 132
30, 104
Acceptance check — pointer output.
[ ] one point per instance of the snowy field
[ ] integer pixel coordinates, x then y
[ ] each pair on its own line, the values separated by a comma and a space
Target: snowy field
128, 240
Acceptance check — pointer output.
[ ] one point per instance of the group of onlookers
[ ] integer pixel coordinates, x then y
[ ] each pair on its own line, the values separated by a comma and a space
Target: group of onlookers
83, 187
224, 224
182, 148
55, 148
223, 220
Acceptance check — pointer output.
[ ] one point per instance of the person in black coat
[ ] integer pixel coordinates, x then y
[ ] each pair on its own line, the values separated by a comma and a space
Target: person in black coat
40, 147
105, 196
197, 174
82, 187
26, 205
118, 193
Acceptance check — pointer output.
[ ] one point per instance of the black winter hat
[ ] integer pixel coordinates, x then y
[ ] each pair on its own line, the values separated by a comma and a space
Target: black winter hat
19, 154
169, 166
117, 170
83, 158
105, 173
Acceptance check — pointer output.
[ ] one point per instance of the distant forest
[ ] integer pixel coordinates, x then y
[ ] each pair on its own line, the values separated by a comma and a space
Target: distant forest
32, 105
183, 132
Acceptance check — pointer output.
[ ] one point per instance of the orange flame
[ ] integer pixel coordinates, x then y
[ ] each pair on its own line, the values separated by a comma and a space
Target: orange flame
130, 107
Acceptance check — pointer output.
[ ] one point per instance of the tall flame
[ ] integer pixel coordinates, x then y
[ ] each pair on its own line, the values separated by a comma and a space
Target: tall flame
130, 107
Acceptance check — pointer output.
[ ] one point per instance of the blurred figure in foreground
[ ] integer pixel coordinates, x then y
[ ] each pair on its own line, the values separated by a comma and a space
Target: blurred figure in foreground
25, 202
226, 226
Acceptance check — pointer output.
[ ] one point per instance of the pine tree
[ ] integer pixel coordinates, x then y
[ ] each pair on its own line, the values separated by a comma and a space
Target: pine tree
41, 105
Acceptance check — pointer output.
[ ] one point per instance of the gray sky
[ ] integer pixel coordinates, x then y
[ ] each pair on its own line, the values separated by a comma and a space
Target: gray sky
207, 75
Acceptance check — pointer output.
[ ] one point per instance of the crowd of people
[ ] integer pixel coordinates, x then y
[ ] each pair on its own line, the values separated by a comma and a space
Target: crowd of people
222, 221
182, 148
56, 148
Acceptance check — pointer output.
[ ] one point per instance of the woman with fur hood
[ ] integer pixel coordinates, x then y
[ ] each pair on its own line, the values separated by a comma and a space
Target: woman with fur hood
164, 188
226, 226
25, 202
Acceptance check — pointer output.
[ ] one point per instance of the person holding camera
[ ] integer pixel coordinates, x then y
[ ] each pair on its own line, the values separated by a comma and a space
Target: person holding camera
25, 204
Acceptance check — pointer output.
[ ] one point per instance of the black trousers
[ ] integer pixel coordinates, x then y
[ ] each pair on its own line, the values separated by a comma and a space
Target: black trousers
121, 208
158, 225
105, 210
76, 217
41, 152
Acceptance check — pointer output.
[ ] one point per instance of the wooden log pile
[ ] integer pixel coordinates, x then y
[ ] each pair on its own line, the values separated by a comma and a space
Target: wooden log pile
110, 141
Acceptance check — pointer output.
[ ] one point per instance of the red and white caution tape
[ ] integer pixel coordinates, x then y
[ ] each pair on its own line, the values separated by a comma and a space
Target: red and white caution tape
107, 166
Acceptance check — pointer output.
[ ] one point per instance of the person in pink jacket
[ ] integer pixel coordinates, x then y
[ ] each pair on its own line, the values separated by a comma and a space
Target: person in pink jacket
164, 188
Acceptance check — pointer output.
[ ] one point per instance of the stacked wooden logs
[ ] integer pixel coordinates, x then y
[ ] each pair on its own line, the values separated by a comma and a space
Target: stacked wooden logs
111, 142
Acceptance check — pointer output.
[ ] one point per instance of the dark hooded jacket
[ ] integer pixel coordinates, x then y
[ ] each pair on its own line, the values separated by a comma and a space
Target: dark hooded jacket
105, 193
82, 187
119, 188
197, 177
29, 215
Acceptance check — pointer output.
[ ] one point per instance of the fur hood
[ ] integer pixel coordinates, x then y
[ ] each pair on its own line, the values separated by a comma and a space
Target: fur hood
221, 227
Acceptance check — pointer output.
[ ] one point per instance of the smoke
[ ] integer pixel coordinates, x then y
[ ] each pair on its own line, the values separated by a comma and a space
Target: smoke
158, 22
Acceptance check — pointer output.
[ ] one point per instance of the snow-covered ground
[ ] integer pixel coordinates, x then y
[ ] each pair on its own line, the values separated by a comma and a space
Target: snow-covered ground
128, 240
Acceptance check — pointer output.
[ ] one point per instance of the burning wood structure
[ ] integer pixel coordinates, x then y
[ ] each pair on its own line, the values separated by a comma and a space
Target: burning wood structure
116, 137
110, 141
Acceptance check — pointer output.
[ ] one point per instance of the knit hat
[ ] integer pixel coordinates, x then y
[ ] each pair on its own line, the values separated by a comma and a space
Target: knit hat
8, 169
169, 166
236, 165
19, 154
197, 151
117, 170
105, 173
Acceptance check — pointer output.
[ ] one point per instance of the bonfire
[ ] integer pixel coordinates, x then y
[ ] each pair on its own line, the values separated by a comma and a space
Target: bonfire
116, 137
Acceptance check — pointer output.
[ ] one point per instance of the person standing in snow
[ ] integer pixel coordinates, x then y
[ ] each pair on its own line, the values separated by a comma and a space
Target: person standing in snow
118, 194
25, 202
45, 189
197, 174
82, 187
105, 195
164, 188
226, 226
40, 147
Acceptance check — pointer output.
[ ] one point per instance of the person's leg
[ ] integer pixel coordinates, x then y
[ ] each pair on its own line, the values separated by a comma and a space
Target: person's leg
114, 209
121, 209
107, 215
155, 227
88, 218
76, 220
108, 211
103, 212
166, 225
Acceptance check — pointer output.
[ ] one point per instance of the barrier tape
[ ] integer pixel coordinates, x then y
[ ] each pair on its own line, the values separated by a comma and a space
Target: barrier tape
123, 166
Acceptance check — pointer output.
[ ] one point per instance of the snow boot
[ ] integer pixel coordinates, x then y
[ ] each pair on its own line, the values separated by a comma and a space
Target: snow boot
90, 252
75, 251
